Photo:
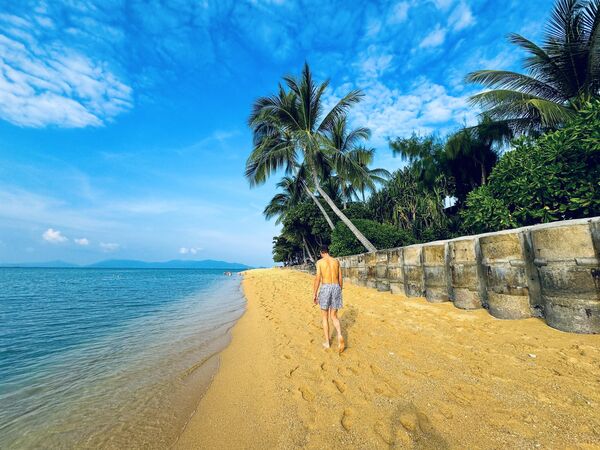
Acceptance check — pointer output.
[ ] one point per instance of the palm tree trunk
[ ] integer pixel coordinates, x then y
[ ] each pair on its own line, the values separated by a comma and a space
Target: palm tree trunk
361, 237
316, 200
310, 256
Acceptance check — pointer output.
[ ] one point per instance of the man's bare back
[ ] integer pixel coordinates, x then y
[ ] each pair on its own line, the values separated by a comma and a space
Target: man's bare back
329, 267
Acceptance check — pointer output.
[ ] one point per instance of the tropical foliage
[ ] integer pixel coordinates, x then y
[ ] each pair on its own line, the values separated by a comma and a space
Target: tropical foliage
533, 157
383, 235
553, 177
561, 72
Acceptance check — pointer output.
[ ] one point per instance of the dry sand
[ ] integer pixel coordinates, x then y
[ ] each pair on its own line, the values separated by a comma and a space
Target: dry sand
414, 375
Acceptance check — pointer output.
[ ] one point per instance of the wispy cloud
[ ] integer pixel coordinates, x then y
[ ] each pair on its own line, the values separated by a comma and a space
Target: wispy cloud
461, 17
189, 250
54, 236
435, 38
84, 242
109, 247
49, 83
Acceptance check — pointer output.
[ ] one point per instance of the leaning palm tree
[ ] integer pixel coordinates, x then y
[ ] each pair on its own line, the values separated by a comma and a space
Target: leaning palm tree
562, 72
290, 131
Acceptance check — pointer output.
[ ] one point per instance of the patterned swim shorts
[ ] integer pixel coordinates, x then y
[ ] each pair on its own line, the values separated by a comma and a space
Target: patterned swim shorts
330, 296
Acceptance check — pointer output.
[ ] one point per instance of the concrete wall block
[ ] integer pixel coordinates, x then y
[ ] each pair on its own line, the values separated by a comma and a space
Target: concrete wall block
414, 282
396, 271
505, 268
468, 285
371, 264
435, 272
361, 270
383, 282
567, 261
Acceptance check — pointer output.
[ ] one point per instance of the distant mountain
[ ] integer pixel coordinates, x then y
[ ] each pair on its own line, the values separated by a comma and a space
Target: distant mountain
134, 264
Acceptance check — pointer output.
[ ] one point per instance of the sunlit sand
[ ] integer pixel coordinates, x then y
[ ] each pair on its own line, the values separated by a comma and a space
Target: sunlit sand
414, 375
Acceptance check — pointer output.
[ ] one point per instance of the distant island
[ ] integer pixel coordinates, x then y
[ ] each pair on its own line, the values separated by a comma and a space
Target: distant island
135, 264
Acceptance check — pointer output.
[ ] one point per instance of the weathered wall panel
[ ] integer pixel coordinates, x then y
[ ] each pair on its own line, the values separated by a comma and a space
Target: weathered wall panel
466, 279
435, 273
396, 271
413, 271
566, 258
383, 283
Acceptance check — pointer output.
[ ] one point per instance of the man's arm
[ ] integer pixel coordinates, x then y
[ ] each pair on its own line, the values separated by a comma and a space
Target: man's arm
340, 277
316, 283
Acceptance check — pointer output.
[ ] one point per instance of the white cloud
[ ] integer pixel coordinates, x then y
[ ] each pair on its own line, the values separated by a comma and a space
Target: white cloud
54, 236
46, 83
461, 17
422, 108
398, 13
189, 250
82, 241
435, 38
373, 62
443, 4
109, 247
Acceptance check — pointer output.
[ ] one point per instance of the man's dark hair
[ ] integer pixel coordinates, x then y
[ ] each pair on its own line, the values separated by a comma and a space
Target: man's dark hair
324, 249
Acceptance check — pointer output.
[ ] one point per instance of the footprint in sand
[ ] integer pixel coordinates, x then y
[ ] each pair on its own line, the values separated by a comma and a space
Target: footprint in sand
347, 419
341, 387
347, 371
307, 394
286, 356
291, 372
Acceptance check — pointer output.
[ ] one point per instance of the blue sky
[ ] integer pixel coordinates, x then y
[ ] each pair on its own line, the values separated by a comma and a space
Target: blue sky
123, 123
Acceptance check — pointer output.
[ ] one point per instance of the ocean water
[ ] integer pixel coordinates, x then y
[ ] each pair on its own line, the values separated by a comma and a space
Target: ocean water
99, 358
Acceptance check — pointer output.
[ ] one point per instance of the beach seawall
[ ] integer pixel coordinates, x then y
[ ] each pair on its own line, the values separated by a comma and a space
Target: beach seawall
550, 271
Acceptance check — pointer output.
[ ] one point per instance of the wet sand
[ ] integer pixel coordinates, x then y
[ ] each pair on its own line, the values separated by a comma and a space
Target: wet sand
414, 375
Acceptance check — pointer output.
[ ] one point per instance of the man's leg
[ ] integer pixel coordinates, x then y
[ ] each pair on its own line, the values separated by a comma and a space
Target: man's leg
325, 317
338, 328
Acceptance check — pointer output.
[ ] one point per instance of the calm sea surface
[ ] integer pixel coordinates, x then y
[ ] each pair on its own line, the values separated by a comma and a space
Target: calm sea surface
99, 358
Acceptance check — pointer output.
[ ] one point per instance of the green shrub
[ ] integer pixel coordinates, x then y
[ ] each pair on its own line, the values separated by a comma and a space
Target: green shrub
484, 212
344, 243
553, 177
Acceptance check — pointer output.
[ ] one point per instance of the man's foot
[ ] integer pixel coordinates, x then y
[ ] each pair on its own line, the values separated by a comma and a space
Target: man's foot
326, 345
342, 345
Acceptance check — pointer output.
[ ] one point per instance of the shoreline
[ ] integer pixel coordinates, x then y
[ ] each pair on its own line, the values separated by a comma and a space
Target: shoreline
415, 374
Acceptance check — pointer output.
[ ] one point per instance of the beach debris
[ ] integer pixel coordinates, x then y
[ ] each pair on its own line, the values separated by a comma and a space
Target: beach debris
532, 355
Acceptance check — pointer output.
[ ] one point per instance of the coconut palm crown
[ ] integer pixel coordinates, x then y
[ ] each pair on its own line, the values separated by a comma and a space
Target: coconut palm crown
562, 71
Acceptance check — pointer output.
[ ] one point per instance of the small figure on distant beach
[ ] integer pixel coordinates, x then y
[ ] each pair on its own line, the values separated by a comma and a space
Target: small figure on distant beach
227, 274
329, 296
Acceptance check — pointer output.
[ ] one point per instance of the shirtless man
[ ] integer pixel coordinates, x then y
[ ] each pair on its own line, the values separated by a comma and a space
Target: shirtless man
329, 277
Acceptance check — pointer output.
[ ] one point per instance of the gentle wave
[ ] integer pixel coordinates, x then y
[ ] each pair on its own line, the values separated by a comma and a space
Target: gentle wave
108, 359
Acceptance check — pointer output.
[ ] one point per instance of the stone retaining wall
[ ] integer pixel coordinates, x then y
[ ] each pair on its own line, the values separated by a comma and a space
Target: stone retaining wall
550, 271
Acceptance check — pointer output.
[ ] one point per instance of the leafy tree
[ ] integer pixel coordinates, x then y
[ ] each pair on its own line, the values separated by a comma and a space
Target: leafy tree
552, 177
291, 131
405, 202
465, 159
343, 241
304, 231
562, 71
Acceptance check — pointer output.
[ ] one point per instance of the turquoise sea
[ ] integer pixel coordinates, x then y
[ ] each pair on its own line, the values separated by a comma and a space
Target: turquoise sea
102, 358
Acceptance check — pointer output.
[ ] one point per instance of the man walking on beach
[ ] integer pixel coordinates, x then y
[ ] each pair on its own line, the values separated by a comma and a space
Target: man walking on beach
329, 278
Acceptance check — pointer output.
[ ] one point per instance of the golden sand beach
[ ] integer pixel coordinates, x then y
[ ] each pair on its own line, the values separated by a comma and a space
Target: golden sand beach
414, 375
